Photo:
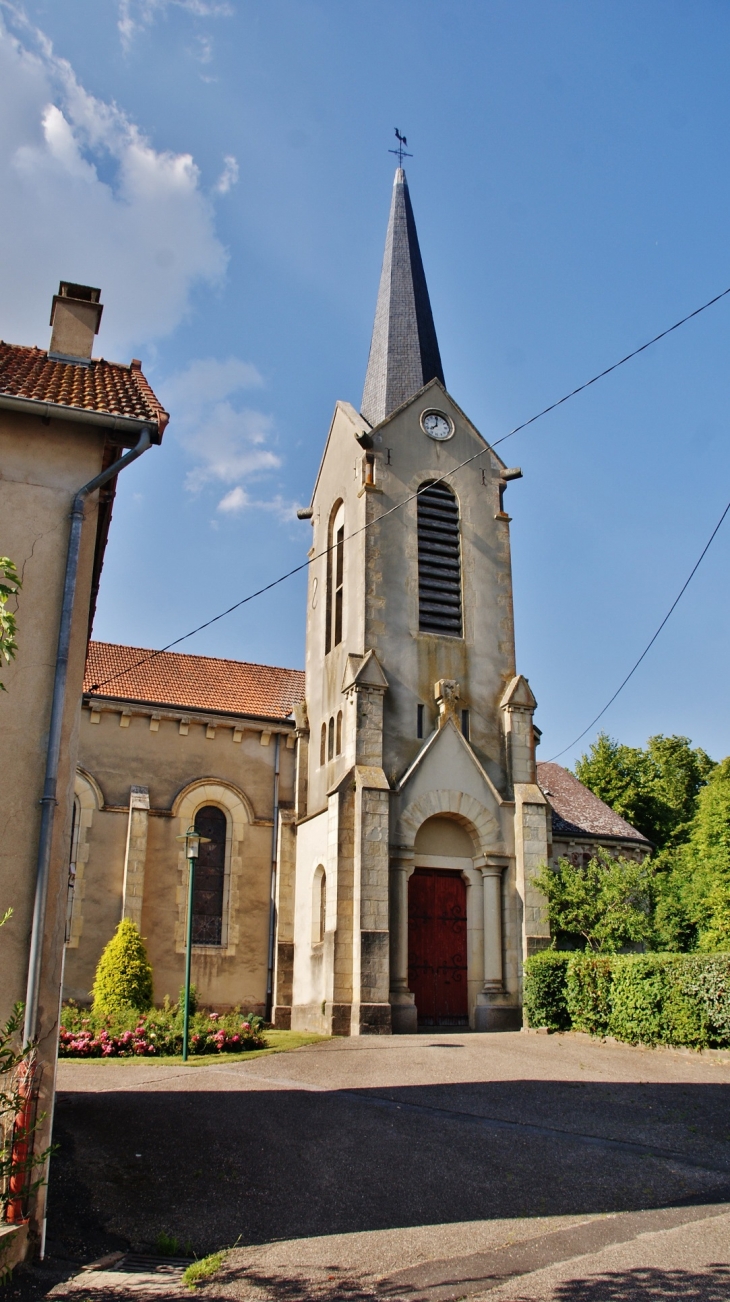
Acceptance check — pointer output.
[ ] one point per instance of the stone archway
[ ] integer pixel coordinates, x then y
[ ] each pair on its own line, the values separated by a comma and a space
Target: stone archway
482, 873
88, 798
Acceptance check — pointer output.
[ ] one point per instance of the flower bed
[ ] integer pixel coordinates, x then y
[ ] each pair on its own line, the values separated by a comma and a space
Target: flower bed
157, 1033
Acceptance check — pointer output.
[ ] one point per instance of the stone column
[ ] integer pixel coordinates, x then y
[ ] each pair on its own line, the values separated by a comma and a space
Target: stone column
492, 889
135, 855
404, 1015
285, 899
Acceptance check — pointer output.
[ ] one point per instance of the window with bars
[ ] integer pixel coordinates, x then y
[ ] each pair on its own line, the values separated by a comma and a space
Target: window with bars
439, 561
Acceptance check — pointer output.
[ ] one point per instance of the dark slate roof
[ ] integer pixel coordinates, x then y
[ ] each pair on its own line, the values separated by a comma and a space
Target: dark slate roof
577, 812
404, 351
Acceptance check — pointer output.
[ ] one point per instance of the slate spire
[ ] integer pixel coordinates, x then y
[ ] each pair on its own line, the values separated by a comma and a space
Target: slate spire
404, 351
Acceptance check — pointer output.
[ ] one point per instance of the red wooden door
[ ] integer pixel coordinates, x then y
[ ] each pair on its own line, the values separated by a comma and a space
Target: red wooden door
437, 946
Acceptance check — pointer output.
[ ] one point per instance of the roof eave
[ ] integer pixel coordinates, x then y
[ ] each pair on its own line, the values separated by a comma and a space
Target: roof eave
128, 427
176, 707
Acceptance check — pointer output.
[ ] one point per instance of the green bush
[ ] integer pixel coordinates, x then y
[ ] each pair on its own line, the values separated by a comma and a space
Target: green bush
544, 990
123, 977
705, 981
680, 999
588, 992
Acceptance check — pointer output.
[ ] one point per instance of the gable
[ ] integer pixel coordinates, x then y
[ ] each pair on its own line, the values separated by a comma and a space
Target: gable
447, 762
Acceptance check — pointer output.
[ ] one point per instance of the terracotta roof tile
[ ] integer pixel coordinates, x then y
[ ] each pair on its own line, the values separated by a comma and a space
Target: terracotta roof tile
106, 387
577, 812
192, 682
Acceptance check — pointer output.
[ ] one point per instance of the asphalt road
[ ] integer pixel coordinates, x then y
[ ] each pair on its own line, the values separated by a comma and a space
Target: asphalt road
436, 1167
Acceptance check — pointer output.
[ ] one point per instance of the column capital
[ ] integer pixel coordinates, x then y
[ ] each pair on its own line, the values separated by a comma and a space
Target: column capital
493, 865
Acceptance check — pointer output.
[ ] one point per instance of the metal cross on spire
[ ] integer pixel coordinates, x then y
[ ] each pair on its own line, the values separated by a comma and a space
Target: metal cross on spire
401, 150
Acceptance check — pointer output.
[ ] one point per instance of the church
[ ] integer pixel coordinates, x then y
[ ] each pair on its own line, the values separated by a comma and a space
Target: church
374, 825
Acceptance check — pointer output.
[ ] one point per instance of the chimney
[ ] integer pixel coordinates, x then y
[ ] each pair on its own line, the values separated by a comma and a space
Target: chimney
75, 317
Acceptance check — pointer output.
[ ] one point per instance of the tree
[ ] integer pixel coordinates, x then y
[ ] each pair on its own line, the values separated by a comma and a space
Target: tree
693, 890
655, 788
123, 978
10, 585
606, 901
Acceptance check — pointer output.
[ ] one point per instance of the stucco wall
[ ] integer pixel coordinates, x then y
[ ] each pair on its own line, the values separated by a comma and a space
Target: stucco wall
42, 467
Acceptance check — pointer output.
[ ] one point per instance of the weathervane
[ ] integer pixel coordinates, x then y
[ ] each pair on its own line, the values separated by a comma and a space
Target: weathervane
401, 151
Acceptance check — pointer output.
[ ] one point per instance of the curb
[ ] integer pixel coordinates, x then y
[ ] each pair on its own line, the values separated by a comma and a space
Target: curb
721, 1056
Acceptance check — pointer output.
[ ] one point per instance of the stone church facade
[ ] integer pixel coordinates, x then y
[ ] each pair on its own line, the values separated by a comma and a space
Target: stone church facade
381, 818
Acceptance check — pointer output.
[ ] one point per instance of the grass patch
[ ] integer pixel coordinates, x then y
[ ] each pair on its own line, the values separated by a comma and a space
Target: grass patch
198, 1271
276, 1042
168, 1246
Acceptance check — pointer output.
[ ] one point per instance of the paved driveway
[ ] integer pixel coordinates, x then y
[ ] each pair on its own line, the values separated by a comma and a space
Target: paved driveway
437, 1167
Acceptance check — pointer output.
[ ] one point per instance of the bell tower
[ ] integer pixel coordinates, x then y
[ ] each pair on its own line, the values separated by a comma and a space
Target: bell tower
411, 733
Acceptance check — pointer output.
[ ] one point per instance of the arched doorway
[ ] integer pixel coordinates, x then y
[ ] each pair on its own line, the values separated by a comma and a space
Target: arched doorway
437, 952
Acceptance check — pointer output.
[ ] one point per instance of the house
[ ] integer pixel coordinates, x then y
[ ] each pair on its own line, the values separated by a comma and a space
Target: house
69, 423
581, 822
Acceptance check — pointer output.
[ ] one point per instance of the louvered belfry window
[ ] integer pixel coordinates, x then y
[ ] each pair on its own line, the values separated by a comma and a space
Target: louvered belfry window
439, 561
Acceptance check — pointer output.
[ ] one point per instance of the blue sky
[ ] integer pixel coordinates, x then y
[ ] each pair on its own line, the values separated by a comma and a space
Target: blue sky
221, 170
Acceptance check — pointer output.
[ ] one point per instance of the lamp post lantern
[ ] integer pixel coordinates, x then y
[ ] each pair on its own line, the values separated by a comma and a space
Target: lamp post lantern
193, 842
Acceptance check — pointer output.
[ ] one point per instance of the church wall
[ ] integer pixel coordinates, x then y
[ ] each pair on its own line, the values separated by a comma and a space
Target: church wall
311, 986
340, 479
140, 746
482, 661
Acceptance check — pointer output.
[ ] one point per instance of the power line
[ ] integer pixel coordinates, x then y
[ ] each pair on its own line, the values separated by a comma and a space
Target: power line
650, 644
397, 507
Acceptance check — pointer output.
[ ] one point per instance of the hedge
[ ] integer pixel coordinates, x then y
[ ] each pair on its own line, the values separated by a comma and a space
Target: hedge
544, 997
681, 999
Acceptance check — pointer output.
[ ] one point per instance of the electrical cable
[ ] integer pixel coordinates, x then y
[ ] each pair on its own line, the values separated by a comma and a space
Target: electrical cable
398, 505
650, 644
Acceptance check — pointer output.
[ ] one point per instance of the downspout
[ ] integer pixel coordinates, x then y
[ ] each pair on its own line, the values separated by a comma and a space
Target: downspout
53, 753
272, 904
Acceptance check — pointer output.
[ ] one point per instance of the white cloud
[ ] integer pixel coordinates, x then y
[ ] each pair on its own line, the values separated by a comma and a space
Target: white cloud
85, 196
228, 176
227, 442
134, 15
239, 500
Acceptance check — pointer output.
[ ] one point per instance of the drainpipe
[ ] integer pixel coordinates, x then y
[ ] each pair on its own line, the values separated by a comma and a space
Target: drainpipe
53, 753
272, 905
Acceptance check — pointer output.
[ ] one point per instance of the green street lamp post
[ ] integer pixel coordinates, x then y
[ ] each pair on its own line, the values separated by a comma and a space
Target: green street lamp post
192, 841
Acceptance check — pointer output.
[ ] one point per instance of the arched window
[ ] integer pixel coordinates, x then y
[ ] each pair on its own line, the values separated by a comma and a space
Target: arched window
210, 867
331, 740
338, 734
335, 577
323, 745
439, 561
319, 905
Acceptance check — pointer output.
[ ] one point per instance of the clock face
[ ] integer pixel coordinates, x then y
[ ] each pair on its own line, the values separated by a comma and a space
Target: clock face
437, 425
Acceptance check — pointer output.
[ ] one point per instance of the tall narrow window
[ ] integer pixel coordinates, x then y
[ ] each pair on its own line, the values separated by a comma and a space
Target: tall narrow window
465, 723
439, 561
319, 905
419, 721
335, 578
323, 745
331, 740
210, 867
338, 734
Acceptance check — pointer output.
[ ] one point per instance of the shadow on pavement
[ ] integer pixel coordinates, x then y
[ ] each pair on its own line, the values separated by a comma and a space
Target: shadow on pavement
219, 1165
647, 1285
